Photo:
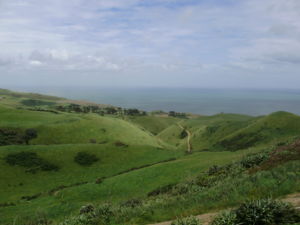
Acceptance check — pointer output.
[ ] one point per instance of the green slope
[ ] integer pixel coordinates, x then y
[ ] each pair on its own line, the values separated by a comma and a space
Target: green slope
112, 160
69, 128
276, 127
139, 147
154, 124
135, 184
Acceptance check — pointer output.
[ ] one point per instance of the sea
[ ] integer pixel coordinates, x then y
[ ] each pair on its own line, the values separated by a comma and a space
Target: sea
204, 101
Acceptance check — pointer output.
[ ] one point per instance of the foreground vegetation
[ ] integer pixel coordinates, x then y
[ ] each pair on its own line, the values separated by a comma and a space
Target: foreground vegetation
69, 162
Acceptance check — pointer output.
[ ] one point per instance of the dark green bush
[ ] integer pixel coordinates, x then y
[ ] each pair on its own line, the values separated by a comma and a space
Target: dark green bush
254, 160
183, 134
161, 190
85, 159
30, 133
213, 170
29, 160
11, 136
14, 136
266, 212
34, 102
132, 203
120, 144
226, 218
260, 212
104, 213
86, 209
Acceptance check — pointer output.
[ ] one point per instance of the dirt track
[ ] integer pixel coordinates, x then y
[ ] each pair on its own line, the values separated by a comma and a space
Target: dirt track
206, 218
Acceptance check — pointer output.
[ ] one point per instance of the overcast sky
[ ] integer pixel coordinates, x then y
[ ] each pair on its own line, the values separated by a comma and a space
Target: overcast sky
190, 43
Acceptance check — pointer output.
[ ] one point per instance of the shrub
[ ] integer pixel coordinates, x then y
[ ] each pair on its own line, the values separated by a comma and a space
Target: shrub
226, 218
30, 133
34, 102
11, 136
84, 219
259, 212
183, 134
187, 221
132, 203
266, 212
213, 170
85, 159
104, 213
161, 190
29, 160
99, 180
93, 141
120, 144
89, 215
254, 160
31, 197
86, 209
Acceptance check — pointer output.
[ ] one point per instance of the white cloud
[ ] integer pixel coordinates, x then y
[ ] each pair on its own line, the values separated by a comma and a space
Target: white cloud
35, 63
168, 36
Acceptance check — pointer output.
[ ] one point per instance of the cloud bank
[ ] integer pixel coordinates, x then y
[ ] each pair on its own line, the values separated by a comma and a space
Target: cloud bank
247, 43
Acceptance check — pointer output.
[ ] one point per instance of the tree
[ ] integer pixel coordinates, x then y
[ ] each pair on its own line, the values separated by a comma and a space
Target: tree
30, 133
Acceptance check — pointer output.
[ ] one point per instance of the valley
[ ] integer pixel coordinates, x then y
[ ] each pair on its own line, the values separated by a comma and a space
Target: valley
58, 155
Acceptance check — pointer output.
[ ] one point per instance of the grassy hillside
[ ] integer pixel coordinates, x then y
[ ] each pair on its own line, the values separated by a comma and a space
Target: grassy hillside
230, 132
155, 124
133, 158
135, 184
67, 128
112, 160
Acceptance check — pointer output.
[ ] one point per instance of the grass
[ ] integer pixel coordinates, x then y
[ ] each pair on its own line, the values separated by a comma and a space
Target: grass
67, 128
135, 156
135, 184
154, 124
112, 160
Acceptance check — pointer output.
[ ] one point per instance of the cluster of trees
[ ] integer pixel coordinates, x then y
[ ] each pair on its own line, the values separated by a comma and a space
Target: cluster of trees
15, 136
31, 161
96, 109
177, 114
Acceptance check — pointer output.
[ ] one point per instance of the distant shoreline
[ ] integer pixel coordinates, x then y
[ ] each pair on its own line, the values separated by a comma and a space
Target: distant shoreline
204, 101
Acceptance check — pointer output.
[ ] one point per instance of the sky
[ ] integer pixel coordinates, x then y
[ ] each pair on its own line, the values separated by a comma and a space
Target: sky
150, 43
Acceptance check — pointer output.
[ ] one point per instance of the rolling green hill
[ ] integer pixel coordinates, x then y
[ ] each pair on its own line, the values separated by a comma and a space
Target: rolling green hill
136, 158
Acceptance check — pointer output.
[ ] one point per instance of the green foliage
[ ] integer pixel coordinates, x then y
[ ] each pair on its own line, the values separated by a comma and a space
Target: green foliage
225, 218
120, 144
84, 219
16, 136
199, 182
241, 141
132, 203
177, 114
104, 213
10, 136
89, 215
187, 221
30, 133
161, 190
251, 161
183, 134
85, 159
29, 160
259, 212
34, 102
266, 212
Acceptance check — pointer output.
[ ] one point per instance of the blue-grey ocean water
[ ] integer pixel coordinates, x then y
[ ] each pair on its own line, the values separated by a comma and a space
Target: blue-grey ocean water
192, 100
